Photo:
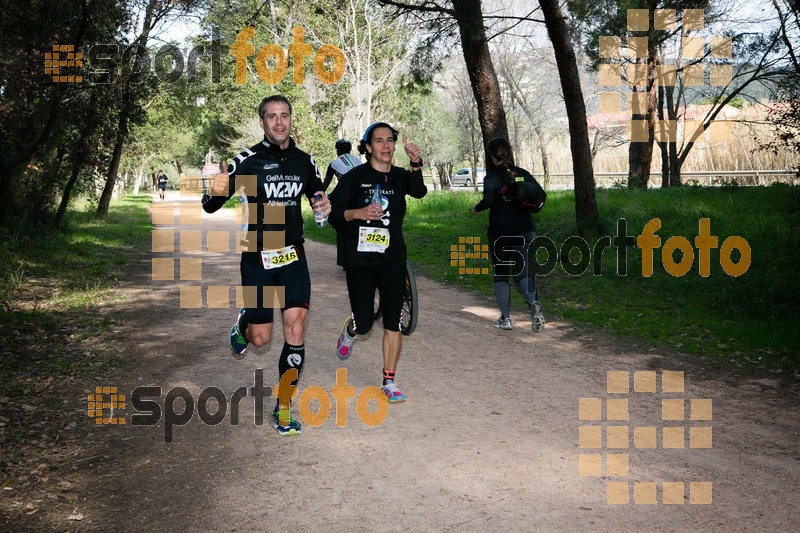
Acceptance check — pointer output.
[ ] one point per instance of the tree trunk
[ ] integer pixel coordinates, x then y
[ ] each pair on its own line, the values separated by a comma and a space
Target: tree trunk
62, 208
142, 177
540, 135
596, 143
77, 163
137, 181
663, 144
128, 97
482, 76
474, 163
441, 171
111, 176
672, 115
586, 215
434, 175
515, 94
641, 152
636, 165
55, 170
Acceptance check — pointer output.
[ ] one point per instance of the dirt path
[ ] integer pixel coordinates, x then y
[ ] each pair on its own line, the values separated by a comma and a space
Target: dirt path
487, 441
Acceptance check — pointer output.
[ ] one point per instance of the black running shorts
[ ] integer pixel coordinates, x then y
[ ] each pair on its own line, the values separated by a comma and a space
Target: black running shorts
390, 281
294, 278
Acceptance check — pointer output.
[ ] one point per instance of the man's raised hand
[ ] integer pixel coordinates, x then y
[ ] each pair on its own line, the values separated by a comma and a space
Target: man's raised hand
219, 187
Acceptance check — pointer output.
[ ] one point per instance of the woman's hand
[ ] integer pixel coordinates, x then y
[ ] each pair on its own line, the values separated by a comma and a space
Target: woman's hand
370, 212
412, 150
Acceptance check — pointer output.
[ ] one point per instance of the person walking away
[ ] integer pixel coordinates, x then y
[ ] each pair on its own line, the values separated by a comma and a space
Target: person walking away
162, 182
511, 233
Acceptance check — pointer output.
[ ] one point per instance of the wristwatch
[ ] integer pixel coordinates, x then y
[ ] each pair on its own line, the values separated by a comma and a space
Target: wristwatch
417, 164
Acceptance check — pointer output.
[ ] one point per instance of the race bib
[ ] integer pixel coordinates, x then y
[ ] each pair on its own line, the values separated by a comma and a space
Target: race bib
373, 239
279, 258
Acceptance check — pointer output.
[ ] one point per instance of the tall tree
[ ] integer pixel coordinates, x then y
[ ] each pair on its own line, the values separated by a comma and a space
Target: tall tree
666, 52
468, 16
527, 77
756, 63
34, 108
789, 22
645, 31
474, 41
133, 91
466, 113
586, 214
786, 118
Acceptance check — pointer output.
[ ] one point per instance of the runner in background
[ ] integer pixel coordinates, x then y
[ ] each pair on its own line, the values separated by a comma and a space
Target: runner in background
344, 162
511, 233
162, 181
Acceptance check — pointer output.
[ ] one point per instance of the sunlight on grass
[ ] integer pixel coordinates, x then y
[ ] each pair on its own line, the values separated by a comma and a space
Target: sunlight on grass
79, 263
741, 320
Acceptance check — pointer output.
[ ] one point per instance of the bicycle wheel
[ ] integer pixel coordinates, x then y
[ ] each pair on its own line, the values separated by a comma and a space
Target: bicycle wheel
377, 308
408, 315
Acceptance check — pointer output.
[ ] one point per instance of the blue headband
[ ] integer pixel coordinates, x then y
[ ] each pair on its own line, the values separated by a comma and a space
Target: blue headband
376, 125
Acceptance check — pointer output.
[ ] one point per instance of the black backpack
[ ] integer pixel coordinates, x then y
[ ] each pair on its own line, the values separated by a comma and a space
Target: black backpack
528, 196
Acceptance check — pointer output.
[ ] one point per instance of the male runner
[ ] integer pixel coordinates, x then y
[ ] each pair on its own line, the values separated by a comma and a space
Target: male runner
274, 256
162, 184
344, 162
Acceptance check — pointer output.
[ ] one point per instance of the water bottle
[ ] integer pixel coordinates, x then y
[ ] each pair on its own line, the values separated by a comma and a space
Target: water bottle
319, 216
376, 196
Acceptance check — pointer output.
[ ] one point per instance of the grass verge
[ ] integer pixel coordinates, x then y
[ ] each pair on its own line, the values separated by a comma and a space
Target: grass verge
749, 320
52, 284
56, 345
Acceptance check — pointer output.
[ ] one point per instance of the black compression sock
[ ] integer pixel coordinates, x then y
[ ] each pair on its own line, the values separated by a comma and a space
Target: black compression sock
292, 357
